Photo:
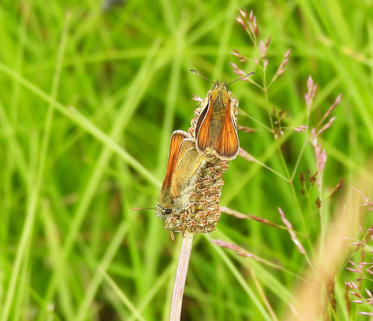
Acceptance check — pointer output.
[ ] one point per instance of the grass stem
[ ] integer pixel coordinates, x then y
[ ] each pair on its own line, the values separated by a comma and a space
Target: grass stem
180, 278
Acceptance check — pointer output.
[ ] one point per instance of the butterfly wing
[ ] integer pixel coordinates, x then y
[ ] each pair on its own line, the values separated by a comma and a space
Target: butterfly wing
216, 130
203, 140
177, 137
227, 144
187, 164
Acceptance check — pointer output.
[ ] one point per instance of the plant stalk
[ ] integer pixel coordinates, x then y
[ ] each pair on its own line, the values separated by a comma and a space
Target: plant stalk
180, 278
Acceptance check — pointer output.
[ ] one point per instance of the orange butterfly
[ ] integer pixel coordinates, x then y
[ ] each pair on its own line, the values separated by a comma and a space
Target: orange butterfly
216, 130
183, 164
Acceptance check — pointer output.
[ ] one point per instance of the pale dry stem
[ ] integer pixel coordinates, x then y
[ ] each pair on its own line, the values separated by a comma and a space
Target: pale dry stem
180, 278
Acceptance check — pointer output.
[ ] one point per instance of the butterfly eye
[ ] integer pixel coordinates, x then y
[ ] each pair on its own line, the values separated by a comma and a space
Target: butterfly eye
167, 211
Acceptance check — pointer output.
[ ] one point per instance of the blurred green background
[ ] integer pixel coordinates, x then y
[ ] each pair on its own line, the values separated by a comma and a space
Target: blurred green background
90, 93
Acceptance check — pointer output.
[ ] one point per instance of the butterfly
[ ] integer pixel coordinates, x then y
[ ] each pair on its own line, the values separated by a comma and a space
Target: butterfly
184, 161
216, 130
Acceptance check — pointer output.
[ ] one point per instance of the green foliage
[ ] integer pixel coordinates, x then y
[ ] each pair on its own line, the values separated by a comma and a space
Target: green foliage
90, 95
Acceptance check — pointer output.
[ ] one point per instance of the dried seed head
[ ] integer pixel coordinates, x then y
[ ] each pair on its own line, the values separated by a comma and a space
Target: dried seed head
327, 125
292, 232
262, 49
241, 22
300, 128
237, 70
268, 41
245, 129
248, 24
310, 83
336, 188
240, 57
327, 114
251, 17
243, 13
200, 213
301, 178
311, 92
330, 286
318, 202
320, 155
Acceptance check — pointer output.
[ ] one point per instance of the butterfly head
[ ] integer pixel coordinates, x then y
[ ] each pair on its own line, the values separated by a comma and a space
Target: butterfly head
162, 212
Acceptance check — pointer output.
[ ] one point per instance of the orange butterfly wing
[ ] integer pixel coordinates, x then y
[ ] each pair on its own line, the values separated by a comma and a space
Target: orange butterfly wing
224, 142
227, 145
203, 139
177, 137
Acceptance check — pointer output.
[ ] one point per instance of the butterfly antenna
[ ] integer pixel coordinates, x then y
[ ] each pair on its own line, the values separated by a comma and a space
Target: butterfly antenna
200, 75
143, 208
242, 77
